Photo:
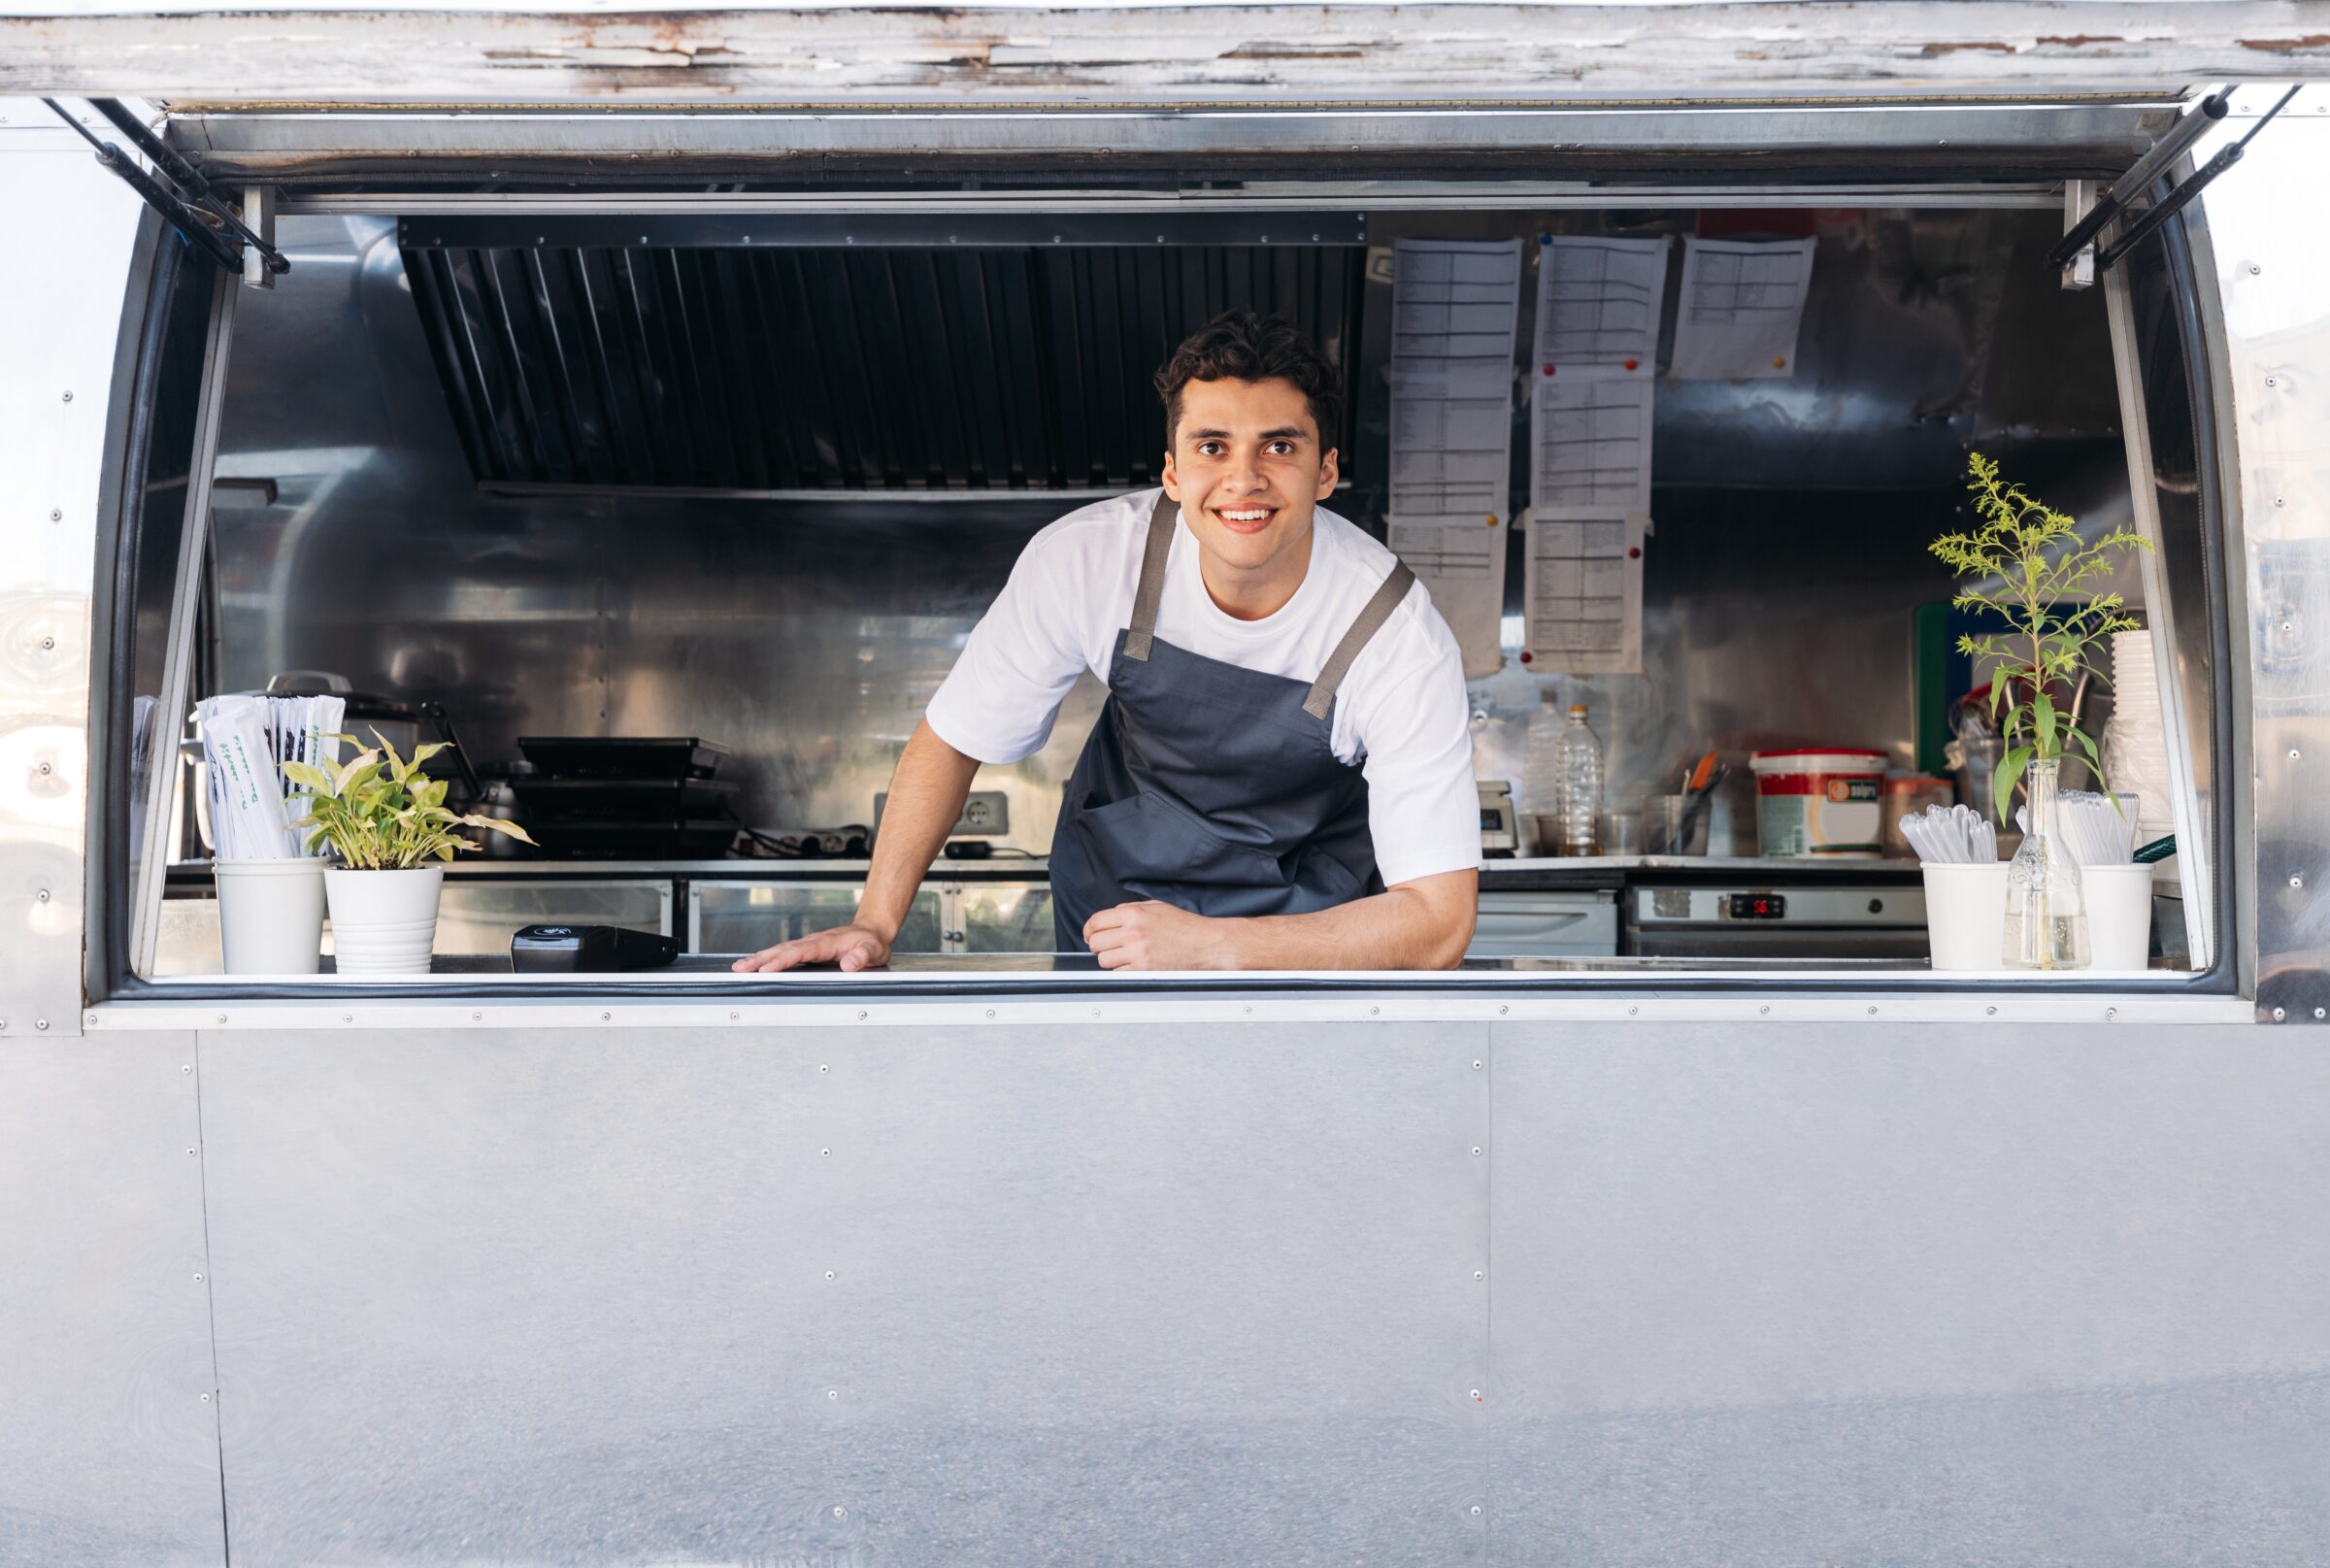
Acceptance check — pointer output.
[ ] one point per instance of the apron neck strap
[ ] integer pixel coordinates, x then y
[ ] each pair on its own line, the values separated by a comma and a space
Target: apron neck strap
1368, 622
1151, 591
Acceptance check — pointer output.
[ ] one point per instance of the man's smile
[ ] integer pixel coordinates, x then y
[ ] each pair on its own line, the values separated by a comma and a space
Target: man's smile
1245, 520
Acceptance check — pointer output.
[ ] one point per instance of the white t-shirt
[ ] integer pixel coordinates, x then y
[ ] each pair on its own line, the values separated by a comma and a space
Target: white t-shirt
1401, 707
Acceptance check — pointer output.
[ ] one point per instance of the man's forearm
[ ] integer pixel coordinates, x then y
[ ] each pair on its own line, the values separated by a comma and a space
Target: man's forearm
1425, 924
927, 792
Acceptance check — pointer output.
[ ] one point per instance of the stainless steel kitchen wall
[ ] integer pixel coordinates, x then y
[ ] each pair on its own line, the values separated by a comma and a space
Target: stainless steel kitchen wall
808, 635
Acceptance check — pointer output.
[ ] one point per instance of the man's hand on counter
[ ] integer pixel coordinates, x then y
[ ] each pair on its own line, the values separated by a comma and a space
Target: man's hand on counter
1419, 925
851, 947
1159, 936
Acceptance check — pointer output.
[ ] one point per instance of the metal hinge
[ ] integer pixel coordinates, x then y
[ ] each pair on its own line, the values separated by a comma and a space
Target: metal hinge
184, 199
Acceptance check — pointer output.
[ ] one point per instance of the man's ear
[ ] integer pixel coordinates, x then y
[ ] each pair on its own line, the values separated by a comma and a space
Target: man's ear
1327, 476
1173, 481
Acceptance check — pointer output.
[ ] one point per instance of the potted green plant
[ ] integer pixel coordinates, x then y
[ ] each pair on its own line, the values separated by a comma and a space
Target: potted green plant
2026, 563
387, 823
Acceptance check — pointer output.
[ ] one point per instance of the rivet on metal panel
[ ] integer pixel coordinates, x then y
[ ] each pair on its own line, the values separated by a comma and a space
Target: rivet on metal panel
1476, 1511
45, 770
221, 1018
1766, 1008
205, 1399
833, 1393
1313, 238
40, 1023
2254, 269
68, 397
2109, 1014
348, 1018
476, 1018
829, 1274
841, 1513
1480, 1274
198, 1279
1632, 1011
732, 1017
990, 1013
2286, 626
824, 1067
2269, 380
187, 1068
56, 514
1989, 1012
861, 1014
1476, 1150
43, 894
1476, 1066
1873, 1012
2277, 500
2296, 880
2321, 1013
189, 1152
2293, 754
606, 1017
1475, 1396
1371, 1011
1502, 1011
48, 642
824, 1153
2279, 1015
1265, 239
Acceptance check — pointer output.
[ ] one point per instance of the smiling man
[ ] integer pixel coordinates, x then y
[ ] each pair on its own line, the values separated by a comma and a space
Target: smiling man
1283, 775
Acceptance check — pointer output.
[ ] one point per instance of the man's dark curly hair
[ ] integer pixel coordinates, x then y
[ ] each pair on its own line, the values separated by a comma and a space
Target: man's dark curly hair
1241, 346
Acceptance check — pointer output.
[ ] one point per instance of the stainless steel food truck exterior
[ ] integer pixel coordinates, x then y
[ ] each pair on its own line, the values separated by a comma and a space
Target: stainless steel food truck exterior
1616, 1260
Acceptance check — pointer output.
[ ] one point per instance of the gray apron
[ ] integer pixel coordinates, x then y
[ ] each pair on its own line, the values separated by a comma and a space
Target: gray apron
1211, 788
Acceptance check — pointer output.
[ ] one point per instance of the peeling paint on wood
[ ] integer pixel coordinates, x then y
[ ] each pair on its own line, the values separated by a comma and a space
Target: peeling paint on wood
1195, 54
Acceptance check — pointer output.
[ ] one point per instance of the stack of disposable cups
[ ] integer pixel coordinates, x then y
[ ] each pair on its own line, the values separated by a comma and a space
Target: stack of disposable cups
270, 891
2135, 742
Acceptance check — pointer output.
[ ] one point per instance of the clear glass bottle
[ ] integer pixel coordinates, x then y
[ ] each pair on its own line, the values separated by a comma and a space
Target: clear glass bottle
1578, 766
2047, 907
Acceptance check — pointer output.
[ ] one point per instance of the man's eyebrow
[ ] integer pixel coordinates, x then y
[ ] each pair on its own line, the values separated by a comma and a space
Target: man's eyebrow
1284, 432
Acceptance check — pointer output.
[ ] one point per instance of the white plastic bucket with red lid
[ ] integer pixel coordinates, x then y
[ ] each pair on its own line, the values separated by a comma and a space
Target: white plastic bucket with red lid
1820, 803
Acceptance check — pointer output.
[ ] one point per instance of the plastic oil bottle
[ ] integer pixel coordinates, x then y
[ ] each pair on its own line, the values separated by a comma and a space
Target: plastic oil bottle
1578, 766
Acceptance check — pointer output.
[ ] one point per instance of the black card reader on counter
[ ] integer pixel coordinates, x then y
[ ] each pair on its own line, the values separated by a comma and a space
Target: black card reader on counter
587, 950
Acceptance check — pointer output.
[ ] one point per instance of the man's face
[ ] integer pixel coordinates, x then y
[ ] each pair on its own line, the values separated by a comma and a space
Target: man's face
1247, 467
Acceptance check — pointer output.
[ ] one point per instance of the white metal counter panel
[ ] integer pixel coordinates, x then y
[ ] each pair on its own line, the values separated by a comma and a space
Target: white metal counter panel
1943, 1296
108, 1435
1149, 1294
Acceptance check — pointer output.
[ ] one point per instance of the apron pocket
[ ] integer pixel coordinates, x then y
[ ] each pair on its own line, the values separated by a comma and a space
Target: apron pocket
1146, 838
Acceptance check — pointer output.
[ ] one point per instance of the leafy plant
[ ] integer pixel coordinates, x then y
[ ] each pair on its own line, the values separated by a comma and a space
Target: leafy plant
2027, 564
381, 812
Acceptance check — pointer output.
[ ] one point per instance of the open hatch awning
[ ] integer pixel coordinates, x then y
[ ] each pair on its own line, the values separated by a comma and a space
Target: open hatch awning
809, 55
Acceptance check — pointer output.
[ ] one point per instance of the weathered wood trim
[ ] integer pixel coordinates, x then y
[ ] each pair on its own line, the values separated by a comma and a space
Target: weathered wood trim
1174, 55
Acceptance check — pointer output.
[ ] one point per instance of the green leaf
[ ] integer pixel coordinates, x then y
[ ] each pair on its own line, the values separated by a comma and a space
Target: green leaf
2042, 719
2010, 772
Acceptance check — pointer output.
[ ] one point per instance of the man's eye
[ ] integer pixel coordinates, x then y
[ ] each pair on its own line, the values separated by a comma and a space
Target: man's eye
1281, 449
1209, 448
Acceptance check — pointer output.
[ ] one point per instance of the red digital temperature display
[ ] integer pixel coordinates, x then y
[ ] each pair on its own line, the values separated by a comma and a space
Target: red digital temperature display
1758, 907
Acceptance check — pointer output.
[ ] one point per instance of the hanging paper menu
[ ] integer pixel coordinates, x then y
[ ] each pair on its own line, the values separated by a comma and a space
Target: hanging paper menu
1584, 595
1743, 303
1599, 301
1461, 562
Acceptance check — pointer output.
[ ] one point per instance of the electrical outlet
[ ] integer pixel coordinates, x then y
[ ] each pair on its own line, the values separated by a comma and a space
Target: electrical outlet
987, 815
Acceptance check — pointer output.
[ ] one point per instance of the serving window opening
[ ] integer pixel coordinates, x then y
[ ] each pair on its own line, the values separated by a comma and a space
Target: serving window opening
557, 487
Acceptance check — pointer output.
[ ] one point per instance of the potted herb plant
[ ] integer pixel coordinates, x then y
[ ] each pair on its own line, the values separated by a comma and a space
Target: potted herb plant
2026, 564
387, 823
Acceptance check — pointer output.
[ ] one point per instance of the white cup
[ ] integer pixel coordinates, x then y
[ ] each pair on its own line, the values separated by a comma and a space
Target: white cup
2119, 915
1966, 914
270, 915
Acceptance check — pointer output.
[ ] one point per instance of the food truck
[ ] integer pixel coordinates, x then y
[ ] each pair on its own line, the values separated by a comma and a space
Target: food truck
648, 405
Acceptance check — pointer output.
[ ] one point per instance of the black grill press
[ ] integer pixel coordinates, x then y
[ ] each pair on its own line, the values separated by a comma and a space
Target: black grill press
821, 355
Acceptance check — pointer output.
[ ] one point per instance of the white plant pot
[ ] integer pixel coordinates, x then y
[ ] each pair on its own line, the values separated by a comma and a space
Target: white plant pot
270, 915
384, 923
